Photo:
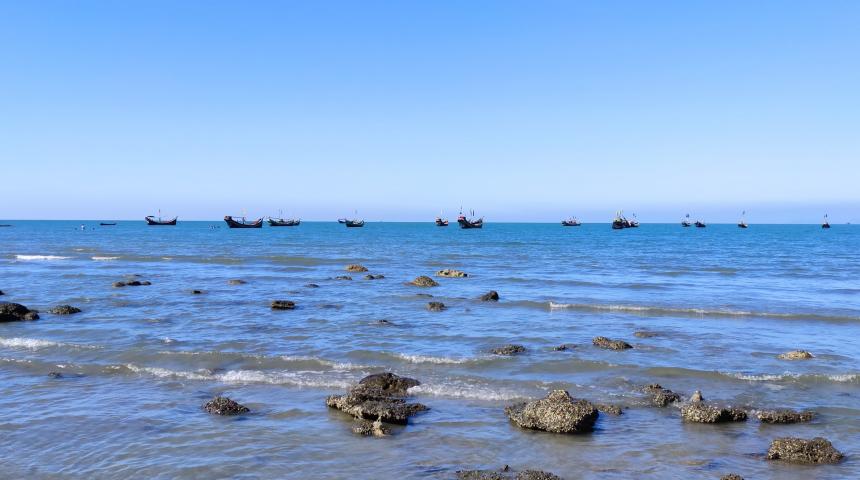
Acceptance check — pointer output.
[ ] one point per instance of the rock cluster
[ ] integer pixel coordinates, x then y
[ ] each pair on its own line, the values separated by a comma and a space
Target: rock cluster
378, 397
557, 413
661, 397
506, 473
424, 281
610, 344
702, 413
131, 283
491, 296
799, 450
795, 355
224, 406
368, 428
510, 349
451, 273
283, 305
64, 310
784, 416
436, 306
356, 268
15, 312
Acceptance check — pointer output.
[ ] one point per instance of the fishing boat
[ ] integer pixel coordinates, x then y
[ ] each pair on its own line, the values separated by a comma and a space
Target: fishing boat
686, 221
826, 223
441, 222
153, 220
342, 220
743, 222
470, 222
571, 222
354, 223
700, 224
106, 224
621, 222
633, 222
243, 223
280, 221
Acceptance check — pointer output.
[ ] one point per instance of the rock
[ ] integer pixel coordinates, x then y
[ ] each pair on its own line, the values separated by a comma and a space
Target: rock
607, 343
491, 296
451, 273
378, 397
608, 409
732, 476
424, 281
368, 428
798, 450
15, 312
312, 285
55, 374
505, 474
374, 277
1, 292
64, 310
224, 406
563, 347
436, 306
795, 355
557, 413
236, 281
697, 397
196, 292
131, 283
283, 305
356, 268
343, 277
384, 322
702, 413
644, 334
784, 416
661, 397
511, 349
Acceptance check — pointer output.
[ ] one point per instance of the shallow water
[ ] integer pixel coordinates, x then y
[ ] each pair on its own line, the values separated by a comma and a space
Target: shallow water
139, 361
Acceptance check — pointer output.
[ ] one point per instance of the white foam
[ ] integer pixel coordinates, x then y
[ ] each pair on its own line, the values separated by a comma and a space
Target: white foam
465, 391
299, 379
841, 378
40, 257
432, 359
104, 259
28, 343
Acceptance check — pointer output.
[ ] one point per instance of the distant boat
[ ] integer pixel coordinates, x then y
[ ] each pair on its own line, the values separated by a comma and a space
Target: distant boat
633, 223
283, 222
104, 224
153, 220
234, 223
342, 220
621, 222
440, 222
826, 223
470, 222
700, 224
352, 222
571, 222
743, 222
686, 221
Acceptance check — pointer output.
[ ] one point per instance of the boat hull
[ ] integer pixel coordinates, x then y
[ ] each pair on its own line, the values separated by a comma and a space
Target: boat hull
466, 224
354, 223
153, 221
278, 222
237, 224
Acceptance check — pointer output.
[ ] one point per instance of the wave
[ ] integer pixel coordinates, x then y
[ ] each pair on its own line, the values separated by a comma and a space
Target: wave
801, 377
468, 391
299, 379
104, 258
36, 344
40, 257
300, 361
433, 359
699, 312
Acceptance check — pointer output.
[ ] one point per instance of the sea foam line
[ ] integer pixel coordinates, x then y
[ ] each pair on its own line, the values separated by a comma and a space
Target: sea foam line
35, 343
104, 259
299, 379
768, 377
40, 257
433, 359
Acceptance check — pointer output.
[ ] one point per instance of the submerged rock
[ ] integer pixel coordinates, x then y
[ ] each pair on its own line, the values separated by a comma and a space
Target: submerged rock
343, 277
436, 306
563, 347
784, 416
131, 283
610, 344
510, 349
356, 268
283, 305
236, 281
368, 428
55, 374
505, 474
383, 322
732, 476
609, 409
644, 334
701, 413
312, 285
557, 413
196, 292
799, 450
1, 292
491, 296
795, 355
378, 397
374, 277
424, 281
661, 397
15, 312
451, 273
64, 310
224, 406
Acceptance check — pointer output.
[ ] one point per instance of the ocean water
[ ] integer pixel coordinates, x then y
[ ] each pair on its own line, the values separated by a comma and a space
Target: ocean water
138, 362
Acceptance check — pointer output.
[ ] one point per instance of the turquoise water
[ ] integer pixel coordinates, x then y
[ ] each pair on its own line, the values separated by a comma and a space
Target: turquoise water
138, 362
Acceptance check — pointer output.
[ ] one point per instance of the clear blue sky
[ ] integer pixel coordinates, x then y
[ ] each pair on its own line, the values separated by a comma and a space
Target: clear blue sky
520, 110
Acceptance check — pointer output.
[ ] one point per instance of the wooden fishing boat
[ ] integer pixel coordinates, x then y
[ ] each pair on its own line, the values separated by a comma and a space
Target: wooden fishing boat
470, 222
621, 222
354, 223
105, 224
153, 220
236, 223
571, 222
284, 222
686, 221
826, 223
743, 223
441, 223
700, 224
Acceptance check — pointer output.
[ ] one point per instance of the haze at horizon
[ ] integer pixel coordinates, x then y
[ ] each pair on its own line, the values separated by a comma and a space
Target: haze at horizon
520, 111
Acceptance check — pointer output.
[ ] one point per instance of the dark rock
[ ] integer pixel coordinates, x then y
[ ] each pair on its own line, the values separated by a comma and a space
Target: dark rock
436, 306
236, 281
795, 355
283, 305
343, 277
131, 283
384, 322
368, 428
607, 343
224, 406
661, 397
732, 476
798, 450
609, 409
15, 312
491, 296
389, 383
64, 310
374, 277
424, 281
644, 334
424, 295
784, 416
505, 474
378, 397
702, 413
451, 273
563, 347
356, 268
557, 413
55, 374
1, 292
312, 285
511, 349
196, 292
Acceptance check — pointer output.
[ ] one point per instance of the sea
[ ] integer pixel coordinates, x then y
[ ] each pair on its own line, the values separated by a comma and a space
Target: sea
116, 391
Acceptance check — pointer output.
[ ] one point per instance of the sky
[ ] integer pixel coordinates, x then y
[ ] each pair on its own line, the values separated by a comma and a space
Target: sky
521, 111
